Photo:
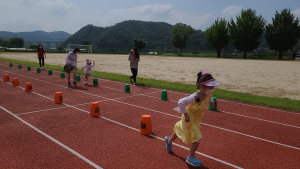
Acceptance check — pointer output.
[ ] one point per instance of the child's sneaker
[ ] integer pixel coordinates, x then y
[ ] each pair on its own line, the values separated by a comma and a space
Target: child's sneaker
193, 161
85, 83
74, 83
43, 67
168, 146
69, 84
134, 83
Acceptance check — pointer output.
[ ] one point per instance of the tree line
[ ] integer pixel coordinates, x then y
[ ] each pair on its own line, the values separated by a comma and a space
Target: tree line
16, 42
246, 31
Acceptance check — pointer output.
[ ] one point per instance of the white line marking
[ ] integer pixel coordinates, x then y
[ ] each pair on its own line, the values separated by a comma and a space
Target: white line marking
53, 139
169, 114
90, 162
42, 110
260, 119
254, 137
259, 107
57, 108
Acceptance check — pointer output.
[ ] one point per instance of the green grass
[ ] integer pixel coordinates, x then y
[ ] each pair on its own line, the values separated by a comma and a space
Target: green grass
282, 103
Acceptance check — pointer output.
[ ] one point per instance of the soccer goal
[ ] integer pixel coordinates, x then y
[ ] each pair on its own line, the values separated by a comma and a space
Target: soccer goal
83, 48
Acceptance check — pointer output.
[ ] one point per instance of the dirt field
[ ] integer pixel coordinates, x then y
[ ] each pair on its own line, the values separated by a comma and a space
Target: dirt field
258, 77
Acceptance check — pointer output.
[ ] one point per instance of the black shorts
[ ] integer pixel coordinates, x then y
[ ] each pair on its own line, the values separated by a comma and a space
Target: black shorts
69, 68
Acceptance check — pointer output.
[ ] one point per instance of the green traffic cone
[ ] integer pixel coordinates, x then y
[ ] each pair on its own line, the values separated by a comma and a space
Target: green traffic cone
95, 82
28, 68
213, 108
19, 66
77, 78
127, 88
62, 75
38, 70
10, 65
164, 95
49, 72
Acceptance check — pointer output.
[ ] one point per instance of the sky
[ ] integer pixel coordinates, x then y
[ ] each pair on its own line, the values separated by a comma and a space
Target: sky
72, 15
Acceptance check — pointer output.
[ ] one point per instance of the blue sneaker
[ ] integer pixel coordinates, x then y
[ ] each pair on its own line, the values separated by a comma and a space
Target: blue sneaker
194, 161
168, 146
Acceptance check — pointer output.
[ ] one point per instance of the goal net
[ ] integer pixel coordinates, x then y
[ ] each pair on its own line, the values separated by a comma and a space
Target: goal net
83, 48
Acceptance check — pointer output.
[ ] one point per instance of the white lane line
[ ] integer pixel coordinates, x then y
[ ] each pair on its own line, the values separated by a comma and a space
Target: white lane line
56, 108
90, 103
259, 119
258, 106
255, 137
53, 139
41, 110
90, 162
171, 115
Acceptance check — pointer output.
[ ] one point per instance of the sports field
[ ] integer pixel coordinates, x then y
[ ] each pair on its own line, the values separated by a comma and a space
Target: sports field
37, 133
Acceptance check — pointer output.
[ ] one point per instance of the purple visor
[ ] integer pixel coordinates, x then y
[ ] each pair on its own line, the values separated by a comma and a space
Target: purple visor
212, 83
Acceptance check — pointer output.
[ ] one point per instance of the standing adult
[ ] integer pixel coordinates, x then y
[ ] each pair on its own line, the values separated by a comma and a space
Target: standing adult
40, 54
134, 59
71, 65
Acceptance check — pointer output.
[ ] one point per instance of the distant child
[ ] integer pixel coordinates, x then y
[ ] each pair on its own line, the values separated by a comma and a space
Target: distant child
192, 109
88, 70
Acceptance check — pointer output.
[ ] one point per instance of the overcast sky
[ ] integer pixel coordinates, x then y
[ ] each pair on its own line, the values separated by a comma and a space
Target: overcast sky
71, 15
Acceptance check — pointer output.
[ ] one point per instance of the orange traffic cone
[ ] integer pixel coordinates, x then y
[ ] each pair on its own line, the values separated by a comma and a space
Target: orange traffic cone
58, 98
15, 82
146, 128
6, 78
28, 87
95, 111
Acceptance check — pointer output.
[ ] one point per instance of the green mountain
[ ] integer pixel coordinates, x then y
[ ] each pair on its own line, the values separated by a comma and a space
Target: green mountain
37, 37
119, 37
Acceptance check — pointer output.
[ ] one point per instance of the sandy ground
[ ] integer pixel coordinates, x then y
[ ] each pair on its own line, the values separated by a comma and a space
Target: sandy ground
258, 77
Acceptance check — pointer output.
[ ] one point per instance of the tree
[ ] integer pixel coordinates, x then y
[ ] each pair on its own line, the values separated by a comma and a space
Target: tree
59, 48
246, 32
33, 46
217, 35
283, 33
5, 43
139, 44
181, 33
86, 43
16, 42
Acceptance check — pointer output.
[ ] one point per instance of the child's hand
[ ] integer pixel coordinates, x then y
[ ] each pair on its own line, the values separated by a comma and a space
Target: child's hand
186, 117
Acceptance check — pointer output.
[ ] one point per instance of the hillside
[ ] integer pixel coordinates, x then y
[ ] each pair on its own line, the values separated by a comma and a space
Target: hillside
36, 37
120, 37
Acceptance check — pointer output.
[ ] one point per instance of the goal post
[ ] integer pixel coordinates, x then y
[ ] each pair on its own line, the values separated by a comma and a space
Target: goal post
86, 48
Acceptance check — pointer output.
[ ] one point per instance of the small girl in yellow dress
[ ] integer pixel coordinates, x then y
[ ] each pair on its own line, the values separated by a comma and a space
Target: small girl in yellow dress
192, 109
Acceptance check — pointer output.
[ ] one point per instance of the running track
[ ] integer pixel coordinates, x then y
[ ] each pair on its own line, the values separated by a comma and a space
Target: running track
36, 133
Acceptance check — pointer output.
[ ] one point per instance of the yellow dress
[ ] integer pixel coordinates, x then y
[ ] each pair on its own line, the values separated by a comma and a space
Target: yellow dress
189, 132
